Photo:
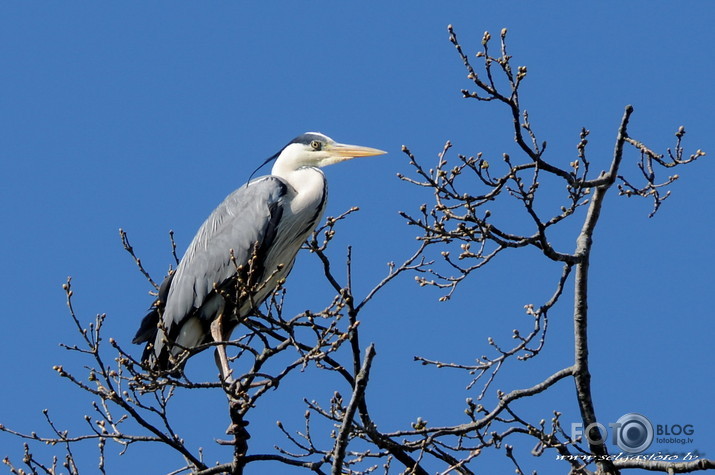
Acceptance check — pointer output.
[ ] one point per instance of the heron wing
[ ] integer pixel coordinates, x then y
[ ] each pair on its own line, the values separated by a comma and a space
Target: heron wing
246, 218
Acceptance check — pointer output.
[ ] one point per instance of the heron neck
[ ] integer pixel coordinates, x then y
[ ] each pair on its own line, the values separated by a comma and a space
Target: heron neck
308, 183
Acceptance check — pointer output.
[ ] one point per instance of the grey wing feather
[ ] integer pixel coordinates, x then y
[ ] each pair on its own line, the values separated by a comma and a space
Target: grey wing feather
241, 221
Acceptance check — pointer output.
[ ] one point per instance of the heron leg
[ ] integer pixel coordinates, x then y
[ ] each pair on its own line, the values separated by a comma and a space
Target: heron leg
218, 335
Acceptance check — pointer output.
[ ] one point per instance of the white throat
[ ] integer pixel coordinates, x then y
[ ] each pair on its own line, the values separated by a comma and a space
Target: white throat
308, 184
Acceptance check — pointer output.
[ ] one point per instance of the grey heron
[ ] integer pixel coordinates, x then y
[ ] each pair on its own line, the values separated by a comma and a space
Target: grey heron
262, 225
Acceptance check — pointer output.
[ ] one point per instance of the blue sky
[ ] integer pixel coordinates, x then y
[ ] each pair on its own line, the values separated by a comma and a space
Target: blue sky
145, 116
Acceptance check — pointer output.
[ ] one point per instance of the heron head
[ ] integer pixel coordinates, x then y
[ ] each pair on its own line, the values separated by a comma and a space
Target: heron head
314, 149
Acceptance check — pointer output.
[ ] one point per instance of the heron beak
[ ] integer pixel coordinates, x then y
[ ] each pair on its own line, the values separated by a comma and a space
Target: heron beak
340, 152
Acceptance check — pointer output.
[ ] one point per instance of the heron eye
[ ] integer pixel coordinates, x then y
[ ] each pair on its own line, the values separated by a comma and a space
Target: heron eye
316, 145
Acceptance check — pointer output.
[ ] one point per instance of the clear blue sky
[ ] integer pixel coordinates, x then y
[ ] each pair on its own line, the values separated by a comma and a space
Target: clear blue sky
145, 116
